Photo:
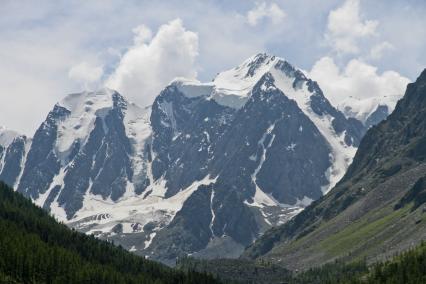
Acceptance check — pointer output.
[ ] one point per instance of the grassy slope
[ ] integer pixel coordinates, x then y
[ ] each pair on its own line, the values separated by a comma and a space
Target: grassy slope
369, 227
361, 230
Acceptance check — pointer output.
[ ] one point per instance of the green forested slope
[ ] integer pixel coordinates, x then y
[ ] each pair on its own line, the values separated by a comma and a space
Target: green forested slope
34, 248
407, 268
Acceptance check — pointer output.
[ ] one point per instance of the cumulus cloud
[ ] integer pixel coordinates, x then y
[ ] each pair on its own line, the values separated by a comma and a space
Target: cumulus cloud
39, 43
153, 61
380, 49
346, 26
86, 74
142, 34
264, 11
358, 81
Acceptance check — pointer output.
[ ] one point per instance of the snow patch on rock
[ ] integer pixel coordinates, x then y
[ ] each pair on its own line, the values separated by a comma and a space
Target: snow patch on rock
84, 109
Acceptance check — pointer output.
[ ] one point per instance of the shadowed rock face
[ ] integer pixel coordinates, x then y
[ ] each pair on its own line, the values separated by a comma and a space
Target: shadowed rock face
205, 169
268, 144
14, 155
380, 114
376, 210
42, 164
98, 162
103, 163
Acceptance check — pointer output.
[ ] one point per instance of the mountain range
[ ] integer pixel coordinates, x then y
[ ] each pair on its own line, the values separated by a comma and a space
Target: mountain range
205, 170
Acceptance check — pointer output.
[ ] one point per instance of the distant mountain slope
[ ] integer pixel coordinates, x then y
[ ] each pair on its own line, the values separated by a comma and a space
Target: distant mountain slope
13, 148
34, 248
376, 210
370, 111
203, 171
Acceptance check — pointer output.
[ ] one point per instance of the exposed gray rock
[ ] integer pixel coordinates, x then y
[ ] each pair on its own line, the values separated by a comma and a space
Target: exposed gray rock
206, 168
14, 155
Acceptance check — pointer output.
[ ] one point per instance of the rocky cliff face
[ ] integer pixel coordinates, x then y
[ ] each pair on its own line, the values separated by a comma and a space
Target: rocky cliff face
376, 210
204, 171
13, 148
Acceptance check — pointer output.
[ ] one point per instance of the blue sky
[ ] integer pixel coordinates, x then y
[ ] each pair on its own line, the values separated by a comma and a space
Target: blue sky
51, 48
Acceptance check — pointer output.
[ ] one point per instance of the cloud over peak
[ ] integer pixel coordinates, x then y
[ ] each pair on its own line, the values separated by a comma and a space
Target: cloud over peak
265, 11
154, 60
357, 81
86, 74
346, 26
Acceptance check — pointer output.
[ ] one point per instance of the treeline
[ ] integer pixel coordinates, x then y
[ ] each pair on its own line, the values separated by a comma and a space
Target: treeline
34, 248
407, 268
238, 270
335, 272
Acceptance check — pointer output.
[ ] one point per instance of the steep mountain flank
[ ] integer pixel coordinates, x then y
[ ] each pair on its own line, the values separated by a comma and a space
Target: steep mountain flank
376, 210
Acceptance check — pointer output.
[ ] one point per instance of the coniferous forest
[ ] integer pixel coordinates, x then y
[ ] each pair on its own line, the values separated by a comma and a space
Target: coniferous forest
34, 248
408, 268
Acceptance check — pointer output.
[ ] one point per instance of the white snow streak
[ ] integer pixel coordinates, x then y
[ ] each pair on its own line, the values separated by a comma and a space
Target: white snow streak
342, 154
212, 211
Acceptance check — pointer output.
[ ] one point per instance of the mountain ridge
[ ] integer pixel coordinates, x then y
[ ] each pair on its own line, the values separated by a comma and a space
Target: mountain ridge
231, 155
370, 212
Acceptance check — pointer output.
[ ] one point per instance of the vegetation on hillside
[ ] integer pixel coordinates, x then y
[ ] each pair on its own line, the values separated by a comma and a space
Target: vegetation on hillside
34, 248
408, 268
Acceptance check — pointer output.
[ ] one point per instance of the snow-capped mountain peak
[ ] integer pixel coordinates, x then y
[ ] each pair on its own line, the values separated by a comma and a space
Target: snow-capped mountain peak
86, 101
371, 110
7, 136
254, 67
232, 87
83, 110
192, 88
214, 163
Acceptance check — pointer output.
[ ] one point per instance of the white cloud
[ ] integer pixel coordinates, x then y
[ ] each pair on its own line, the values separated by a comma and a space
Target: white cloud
262, 11
86, 74
346, 26
358, 85
39, 42
142, 35
380, 49
152, 62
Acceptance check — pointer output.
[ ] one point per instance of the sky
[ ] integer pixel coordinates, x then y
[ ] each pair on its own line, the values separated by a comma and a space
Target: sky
49, 49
